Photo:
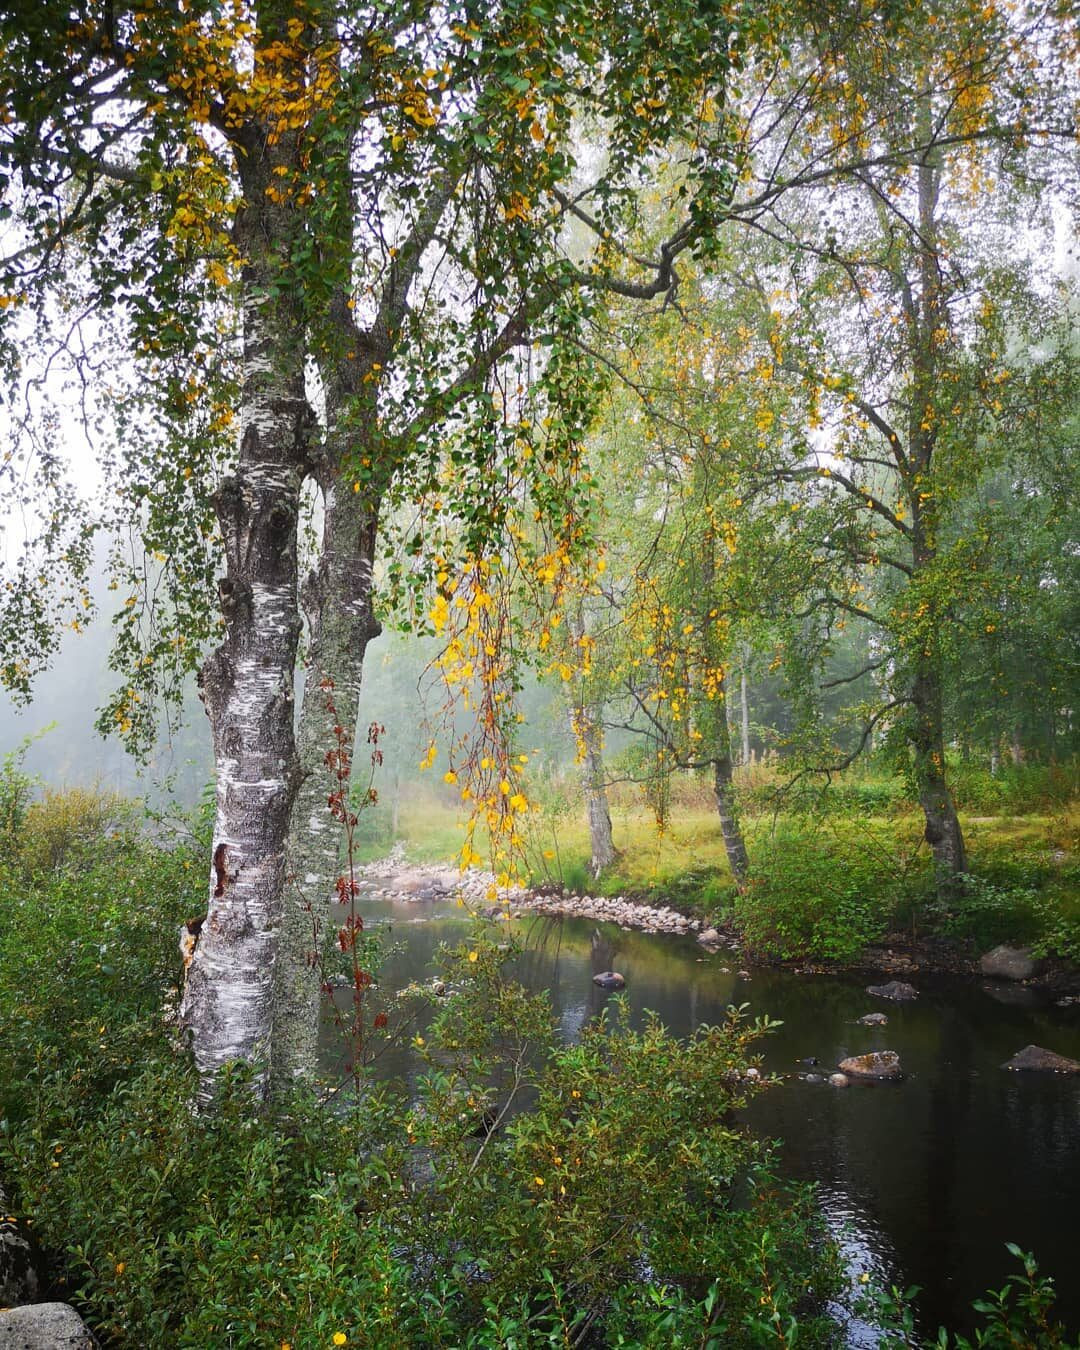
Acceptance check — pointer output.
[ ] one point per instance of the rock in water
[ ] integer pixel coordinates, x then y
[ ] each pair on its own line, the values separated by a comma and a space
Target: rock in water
710, 937
44, 1326
1008, 963
610, 979
873, 1020
877, 1064
839, 1079
897, 990
1036, 1059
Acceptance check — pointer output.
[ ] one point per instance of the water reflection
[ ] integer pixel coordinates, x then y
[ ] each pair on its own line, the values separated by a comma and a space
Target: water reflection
924, 1180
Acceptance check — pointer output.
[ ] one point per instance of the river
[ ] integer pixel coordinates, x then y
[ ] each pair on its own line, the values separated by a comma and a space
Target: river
925, 1180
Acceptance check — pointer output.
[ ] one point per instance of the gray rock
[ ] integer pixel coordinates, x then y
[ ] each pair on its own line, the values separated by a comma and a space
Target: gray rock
812, 1077
897, 990
22, 1272
873, 1020
877, 1064
839, 1079
44, 1326
1008, 963
610, 979
710, 937
1036, 1059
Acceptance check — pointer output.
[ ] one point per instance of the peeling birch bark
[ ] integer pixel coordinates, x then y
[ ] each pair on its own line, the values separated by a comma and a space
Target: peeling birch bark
247, 684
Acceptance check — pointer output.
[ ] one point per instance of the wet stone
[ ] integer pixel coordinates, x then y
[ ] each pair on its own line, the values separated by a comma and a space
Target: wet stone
897, 990
878, 1065
1034, 1059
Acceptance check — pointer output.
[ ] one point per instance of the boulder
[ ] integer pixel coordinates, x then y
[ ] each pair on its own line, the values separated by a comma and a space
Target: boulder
839, 1080
897, 990
1008, 963
22, 1272
610, 979
878, 1064
710, 937
873, 1020
44, 1326
1036, 1059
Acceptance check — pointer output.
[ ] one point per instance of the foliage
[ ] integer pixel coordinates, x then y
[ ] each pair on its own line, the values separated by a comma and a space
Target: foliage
88, 959
812, 893
1016, 789
66, 824
987, 912
16, 790
393, 1221
1017, 1315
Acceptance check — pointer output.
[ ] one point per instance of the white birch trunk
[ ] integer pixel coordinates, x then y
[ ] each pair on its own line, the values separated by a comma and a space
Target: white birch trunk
247, 684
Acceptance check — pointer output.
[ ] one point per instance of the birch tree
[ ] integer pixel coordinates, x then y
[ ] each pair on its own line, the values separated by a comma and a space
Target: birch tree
309, 234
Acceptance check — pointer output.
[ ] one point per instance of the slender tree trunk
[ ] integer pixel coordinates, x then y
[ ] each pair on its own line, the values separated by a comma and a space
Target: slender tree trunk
943, 832
247, 684
744, 707
601, 844
928, 316
713, 721
585, 725
734, 844
337, 599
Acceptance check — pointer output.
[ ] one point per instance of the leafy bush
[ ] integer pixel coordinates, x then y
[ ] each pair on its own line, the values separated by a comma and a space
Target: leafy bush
1016, 789
65, 825
812, 893
1016, 1317
16, 792
614, 1189
987, 912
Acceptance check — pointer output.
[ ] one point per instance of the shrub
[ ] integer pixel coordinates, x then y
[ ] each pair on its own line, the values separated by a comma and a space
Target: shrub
1016, 789
614, 1190
987, 912
812, 893
68, 824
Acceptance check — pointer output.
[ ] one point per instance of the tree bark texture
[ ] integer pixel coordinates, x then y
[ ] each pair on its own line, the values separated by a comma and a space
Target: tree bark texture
943, 832
337, 600
247, 684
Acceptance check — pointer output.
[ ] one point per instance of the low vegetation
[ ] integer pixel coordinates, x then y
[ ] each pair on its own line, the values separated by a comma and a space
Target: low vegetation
520, 1192
831, 869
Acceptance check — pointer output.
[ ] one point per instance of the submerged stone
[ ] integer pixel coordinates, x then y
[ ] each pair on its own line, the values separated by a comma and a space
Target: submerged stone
1035, 1059
876, 1064
610, 979
897, 990
839, 1080
873, 1020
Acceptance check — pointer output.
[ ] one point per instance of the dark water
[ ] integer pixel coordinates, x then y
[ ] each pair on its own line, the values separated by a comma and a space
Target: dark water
925, 1180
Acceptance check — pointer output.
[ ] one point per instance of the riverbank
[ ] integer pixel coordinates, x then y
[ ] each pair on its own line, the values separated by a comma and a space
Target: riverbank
896, 954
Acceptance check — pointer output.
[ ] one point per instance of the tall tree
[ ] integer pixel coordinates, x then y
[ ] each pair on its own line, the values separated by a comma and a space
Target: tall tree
328, 226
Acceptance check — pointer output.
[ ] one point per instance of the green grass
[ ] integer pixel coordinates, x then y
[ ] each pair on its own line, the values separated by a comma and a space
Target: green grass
1026, 886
